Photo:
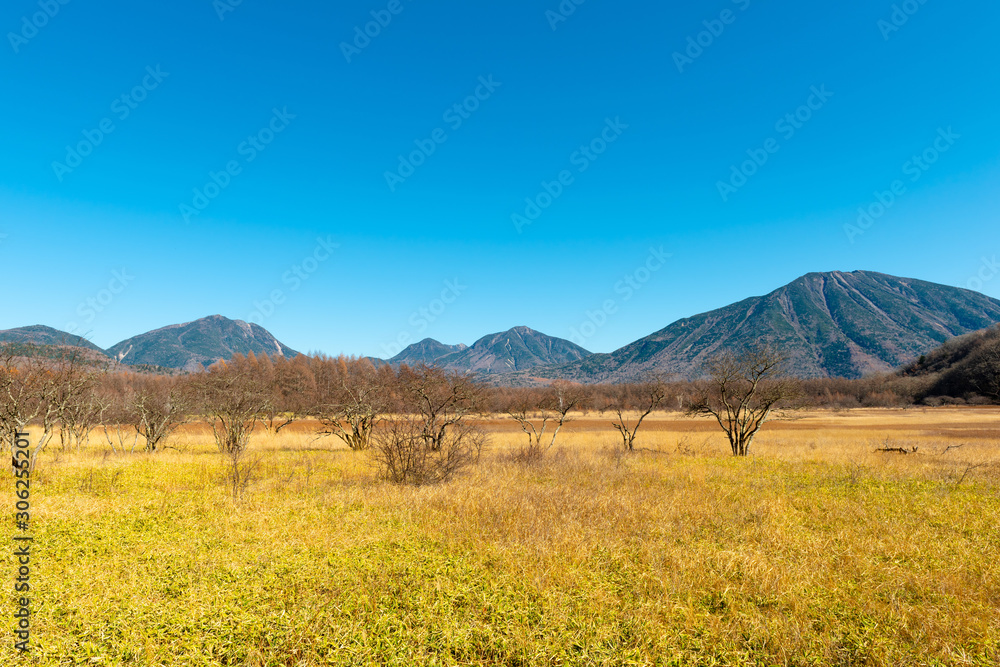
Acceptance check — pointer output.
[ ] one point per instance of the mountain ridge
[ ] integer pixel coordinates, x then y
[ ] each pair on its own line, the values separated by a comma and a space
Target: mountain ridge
831, 324
39, 334
192, 345
519, 348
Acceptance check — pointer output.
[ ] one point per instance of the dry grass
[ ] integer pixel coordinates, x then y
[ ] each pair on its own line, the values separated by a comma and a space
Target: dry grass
815, 551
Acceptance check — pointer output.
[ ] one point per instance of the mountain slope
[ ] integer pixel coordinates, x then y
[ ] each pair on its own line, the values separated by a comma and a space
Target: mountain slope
202, 342
965, 366
426, 351
518, 349
829, 324
42, 335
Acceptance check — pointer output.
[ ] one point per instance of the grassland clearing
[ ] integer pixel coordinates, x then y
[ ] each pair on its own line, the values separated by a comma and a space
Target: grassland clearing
816, 550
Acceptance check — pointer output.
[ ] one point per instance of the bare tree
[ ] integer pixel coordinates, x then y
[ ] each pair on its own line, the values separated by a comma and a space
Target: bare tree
116, 425
158, 407
743, 389
440, 399
526, 409
80, 410
565, 398
292, 386
242, 468
234, 401
354, 403
645, 398
554, 404
435, 441
36, 388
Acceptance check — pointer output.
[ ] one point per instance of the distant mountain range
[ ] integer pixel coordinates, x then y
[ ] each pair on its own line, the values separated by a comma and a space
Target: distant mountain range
196, 344
41, 335
187, 347
519, 349
828, 324
427, 352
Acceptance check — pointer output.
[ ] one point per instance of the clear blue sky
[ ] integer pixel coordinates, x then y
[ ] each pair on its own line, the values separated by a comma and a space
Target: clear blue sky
207, 85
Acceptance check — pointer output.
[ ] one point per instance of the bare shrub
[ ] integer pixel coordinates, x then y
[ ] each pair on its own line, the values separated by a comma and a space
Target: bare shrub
241, 470
404, 455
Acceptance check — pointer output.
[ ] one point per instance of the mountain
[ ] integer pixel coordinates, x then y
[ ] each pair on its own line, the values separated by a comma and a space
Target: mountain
829, 324
965, 366
426, 352
202, 342
519, 349
42, 335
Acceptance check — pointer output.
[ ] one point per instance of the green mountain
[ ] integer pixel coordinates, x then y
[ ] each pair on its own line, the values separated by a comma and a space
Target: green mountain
200, 343
829, 324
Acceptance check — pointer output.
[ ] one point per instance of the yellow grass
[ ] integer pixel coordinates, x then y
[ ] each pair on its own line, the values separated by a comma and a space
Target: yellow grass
814, 551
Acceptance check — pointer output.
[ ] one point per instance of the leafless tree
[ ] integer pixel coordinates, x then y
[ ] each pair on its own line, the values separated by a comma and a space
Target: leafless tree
242, 468
646, 398
234, 401
80, 411
554, 404
743, 390
36, 388
114, 401
292, 387
158, 407
440, 399
354, 403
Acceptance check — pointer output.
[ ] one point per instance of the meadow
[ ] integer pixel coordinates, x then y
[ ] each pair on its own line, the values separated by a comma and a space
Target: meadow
815, 550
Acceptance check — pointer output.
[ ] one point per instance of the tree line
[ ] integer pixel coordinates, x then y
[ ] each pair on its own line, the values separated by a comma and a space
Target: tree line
70, 399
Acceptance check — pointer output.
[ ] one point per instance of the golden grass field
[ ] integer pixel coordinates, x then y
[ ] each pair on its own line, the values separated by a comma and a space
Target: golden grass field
814, 551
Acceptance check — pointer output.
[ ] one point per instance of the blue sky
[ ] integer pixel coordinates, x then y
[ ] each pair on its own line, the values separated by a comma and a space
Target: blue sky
291, 121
